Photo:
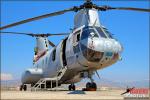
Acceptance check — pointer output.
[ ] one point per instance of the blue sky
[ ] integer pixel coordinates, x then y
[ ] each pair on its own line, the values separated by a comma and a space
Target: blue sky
129, 27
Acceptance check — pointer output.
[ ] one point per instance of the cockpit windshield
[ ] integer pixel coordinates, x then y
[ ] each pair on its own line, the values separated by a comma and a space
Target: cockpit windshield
89, 54
96, 32
88, 32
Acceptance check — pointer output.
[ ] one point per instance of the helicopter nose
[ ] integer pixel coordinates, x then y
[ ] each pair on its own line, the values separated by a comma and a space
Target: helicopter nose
105, 45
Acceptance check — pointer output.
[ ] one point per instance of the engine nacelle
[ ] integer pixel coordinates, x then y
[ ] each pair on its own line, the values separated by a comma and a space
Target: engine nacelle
32, 75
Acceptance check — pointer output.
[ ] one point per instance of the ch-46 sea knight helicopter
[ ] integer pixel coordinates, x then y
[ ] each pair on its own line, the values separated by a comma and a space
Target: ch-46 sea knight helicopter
88, 48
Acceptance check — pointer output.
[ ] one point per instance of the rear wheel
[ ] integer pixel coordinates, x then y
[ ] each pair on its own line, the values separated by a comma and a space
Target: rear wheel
71, 87
21, 87
24, 87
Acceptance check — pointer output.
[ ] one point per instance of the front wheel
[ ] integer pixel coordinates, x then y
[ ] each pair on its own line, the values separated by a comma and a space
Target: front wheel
91, 86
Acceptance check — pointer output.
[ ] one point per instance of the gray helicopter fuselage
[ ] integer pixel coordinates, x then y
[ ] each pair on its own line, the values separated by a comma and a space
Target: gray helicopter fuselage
89, 47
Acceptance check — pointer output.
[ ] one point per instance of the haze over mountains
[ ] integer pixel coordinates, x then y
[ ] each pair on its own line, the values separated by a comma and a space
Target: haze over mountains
100, 83
109, 83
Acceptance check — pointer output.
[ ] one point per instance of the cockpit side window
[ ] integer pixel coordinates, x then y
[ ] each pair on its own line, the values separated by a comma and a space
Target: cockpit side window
101, 33
84, 35
76, 37
107, 32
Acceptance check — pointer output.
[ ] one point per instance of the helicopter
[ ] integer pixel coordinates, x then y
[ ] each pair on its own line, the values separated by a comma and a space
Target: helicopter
88, 48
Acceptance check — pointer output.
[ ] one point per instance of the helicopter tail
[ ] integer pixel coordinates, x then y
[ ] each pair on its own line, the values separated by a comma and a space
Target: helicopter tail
42, 46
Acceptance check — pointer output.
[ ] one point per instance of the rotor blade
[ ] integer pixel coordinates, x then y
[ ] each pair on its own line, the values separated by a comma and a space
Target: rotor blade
49, 34
36, 35
104, 8
30, 34
37, 18
134, 9
52, 44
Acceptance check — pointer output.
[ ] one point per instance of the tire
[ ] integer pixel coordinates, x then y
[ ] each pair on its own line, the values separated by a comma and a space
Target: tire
24, 87
21, 87
69, 87
88, 85
93, 85
73, 87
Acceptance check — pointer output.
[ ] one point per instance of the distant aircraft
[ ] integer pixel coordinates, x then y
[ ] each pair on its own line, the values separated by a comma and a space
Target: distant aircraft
88, 48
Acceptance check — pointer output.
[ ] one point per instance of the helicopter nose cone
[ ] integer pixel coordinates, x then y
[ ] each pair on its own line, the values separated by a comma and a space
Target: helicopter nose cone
105, 45
96, 49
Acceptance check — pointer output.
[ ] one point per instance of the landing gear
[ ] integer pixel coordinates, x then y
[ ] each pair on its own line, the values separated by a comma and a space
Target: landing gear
71, 87
23, 87
90, 86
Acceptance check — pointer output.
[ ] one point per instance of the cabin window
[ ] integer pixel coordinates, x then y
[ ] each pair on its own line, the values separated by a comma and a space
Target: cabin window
78, 37
76, 46
54, 54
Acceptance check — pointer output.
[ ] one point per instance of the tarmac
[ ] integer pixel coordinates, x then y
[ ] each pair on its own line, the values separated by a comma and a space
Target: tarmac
47, 95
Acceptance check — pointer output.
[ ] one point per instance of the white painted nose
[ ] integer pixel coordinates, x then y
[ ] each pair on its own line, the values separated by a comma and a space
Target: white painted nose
104, 45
